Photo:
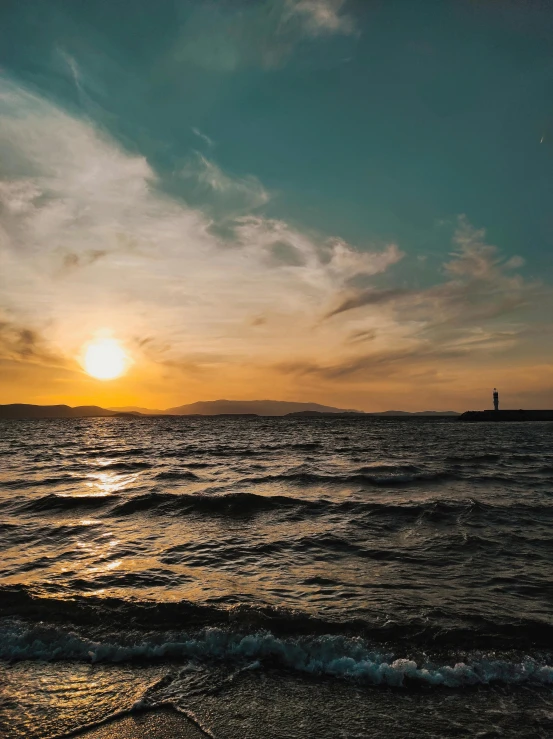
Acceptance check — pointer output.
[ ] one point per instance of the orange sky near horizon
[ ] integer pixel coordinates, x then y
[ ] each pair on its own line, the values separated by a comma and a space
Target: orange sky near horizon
148, 385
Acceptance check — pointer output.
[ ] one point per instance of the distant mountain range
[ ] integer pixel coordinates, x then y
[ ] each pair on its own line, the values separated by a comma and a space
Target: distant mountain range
201, 408
234, 407
263, 408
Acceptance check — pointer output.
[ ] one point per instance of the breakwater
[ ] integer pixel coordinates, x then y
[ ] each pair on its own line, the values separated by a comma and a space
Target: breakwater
507, 415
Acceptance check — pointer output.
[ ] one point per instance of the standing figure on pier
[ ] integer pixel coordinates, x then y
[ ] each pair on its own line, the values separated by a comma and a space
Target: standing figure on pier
495, 399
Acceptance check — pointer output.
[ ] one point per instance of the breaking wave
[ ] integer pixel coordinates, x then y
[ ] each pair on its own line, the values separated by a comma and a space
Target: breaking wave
334, 656
435, 629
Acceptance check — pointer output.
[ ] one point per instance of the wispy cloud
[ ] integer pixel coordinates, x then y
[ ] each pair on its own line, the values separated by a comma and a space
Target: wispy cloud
479, 284
322, 16
404, 362
228, 36
73, 68
203, 136
234, 193
477, 308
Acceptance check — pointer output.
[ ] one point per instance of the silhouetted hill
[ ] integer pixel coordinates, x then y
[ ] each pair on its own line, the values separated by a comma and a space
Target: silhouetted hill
138, 409
245, 407
316, 414
24, 410
201, 408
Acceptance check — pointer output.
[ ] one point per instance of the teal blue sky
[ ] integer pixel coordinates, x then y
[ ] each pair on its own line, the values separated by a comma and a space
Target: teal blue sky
425, 110
423, 126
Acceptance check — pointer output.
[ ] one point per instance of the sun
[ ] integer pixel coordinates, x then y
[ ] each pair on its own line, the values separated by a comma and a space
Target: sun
105, 359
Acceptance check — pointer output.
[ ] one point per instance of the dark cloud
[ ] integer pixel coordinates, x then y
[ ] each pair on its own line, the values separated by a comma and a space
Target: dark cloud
356, 337
72, 261
282, 253
22, 344
27, 342
425, 355
480, 286
144, 341
388, 363
362, 298
369, 366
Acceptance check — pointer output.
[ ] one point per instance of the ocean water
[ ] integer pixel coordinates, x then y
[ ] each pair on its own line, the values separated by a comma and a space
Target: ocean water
277, 577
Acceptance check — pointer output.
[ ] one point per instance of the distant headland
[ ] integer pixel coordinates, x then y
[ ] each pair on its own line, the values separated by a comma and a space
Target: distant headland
22, 411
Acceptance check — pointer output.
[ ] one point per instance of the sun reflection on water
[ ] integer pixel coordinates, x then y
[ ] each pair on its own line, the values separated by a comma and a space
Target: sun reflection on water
108, 483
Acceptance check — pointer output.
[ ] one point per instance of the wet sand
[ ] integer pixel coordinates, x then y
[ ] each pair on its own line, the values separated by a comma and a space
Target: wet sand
164, 724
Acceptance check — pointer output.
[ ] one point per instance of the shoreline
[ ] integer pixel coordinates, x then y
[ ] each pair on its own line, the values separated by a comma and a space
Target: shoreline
162, 723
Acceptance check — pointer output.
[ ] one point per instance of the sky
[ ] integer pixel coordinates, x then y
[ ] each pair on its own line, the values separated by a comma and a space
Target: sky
317, 200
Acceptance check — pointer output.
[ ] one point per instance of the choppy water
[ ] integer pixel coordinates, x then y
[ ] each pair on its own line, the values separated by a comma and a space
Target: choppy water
166, 560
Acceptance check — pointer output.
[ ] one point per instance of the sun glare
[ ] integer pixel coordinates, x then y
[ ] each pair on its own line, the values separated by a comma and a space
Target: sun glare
105, 359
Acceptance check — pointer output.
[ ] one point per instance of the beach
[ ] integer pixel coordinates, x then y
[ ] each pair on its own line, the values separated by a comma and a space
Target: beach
157, 725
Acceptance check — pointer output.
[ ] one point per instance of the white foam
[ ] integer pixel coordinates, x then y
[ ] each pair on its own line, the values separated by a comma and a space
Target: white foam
327, 655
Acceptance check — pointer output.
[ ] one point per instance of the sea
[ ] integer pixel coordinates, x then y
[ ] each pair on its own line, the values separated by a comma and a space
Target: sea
344, 576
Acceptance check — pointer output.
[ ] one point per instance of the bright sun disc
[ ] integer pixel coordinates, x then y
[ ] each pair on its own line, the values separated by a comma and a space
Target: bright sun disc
105, 359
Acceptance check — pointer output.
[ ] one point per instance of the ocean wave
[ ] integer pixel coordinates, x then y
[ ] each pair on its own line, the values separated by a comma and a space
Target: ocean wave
214, 451
378, 476
176, 475
126, 466
249, 503
246, 503
431, 630
41, 482
404, 476
55, 502
229, 504
328, 655
5, 527
474, 458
